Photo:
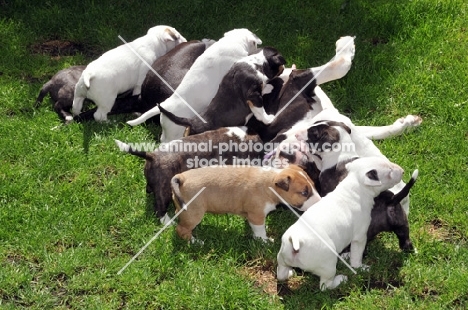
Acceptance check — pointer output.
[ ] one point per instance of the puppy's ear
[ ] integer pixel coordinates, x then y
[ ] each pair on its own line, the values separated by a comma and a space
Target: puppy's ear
169, 35
340, 124
284, 183
372, 178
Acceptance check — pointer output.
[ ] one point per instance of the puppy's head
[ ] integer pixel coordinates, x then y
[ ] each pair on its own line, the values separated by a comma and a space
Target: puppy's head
296, 188
169, 36
274, 64
376, 173
323, 135
250, 40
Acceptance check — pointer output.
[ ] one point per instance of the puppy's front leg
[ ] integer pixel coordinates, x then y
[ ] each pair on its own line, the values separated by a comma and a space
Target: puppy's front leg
260, 113
357, 250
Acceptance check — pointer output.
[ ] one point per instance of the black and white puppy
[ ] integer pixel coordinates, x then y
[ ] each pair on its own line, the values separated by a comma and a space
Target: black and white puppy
294, 97
239, 95
60, 88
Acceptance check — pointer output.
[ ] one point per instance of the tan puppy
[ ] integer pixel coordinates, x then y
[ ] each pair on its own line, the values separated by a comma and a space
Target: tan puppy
243, 191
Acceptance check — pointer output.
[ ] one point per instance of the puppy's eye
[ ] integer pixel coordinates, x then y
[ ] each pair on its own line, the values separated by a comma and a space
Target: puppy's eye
305, 193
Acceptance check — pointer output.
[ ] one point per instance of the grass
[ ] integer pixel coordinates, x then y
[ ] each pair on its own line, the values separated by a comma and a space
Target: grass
74, 209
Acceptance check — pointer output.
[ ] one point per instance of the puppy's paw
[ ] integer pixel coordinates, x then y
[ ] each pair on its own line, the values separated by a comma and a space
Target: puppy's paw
194, 240
410, 121
346, 255
166, 220
364, 267
265, 240
269, 118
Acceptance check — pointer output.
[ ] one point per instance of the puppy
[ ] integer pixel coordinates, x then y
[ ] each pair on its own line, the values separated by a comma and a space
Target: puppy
239, 94
294, 96
61, 88
122, 69
247, 191
187, 153
172, 67
338, 219
201, 82
388, 213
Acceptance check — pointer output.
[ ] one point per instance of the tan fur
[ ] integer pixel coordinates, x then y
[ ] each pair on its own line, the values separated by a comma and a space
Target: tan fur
237, 190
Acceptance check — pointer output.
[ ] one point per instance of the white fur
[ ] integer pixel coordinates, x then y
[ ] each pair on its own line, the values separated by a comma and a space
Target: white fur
339, 65
237, 131
340, 218
121, 69
201, 82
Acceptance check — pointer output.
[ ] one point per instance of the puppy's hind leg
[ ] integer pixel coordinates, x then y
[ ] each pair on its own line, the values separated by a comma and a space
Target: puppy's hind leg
327, 273
357, 249
397, 128
103, 109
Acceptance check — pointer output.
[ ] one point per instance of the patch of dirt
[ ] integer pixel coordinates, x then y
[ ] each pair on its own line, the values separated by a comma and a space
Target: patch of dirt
264, 276
57, 48
442, 231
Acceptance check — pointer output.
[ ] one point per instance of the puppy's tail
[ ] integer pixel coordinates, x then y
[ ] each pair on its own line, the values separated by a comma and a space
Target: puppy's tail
124, 147
176, 183
296, 245
145, 116
44, 91
193, 125
405, 190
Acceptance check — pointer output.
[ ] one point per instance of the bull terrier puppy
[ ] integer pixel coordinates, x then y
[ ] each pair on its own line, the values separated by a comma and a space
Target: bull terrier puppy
247, 191
338, 219
122, 69
201, 82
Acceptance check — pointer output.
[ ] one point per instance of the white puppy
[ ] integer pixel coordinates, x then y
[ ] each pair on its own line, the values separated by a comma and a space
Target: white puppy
201, 82
339, 219
122, 69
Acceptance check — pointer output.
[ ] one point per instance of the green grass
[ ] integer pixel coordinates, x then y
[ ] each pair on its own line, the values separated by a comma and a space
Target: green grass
73, 209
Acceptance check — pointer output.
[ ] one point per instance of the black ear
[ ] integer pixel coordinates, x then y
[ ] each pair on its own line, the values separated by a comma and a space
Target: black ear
284, 183
372, 178
340, 124
372, 174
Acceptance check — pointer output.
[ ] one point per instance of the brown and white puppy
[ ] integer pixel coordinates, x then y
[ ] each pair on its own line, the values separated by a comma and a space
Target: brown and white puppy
246, 191
187, 153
